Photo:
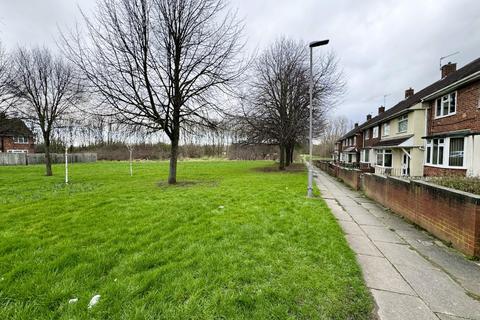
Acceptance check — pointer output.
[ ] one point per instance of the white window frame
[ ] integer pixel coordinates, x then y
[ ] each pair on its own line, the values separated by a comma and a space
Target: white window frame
401, 120
386, 129
363, 154
442, 107
16, 139
383, 152
375, 132
446, 153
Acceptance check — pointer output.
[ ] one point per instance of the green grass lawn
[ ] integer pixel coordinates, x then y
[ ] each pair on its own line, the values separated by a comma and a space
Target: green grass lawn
233, 242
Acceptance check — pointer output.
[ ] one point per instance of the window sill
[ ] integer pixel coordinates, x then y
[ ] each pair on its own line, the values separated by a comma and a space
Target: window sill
444, 167
445, 116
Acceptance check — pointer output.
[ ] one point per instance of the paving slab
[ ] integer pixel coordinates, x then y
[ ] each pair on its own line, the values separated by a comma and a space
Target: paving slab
414, 235
365, 219
360, 244
463, 270
442, 316
411, 274
350, 227
378, 212
380, 274
440, 292
394, 222
403, 254
381, 234
394, 306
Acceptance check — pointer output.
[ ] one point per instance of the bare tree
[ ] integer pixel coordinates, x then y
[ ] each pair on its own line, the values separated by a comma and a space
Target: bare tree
47, 90
334, 128
276, 109
5, 96
161, 64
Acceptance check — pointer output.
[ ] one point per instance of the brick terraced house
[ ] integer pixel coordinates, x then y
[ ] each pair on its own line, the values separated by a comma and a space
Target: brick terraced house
453, 123
435, 131
15, 136
347, 149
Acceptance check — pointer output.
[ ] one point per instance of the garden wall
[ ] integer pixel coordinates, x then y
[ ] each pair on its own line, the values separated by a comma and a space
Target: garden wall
15, 159
451, 215
347, 175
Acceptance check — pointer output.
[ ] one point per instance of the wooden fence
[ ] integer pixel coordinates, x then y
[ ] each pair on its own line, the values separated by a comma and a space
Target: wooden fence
18, 159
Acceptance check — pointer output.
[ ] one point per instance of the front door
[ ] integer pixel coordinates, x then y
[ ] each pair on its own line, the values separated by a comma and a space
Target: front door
406, 163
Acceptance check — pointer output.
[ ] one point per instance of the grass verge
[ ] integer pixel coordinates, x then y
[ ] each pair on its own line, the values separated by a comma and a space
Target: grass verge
236, 243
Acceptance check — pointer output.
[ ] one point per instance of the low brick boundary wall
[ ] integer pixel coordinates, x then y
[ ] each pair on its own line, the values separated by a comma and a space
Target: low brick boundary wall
349, 176
450, 215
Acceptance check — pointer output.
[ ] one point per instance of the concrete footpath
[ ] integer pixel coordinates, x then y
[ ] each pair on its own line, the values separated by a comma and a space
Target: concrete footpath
410, 274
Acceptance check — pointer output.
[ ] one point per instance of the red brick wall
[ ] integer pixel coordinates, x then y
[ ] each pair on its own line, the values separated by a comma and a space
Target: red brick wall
435, 171
350, 177
370, 142
467, 115
451, 216
8, 144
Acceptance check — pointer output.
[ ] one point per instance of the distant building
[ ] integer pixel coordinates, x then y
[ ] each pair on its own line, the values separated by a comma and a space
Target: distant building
15, 136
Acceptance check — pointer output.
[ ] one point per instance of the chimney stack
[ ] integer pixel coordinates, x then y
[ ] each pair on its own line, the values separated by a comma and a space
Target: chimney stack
356, 124
409, 92
381, 109
448, 69
369, 117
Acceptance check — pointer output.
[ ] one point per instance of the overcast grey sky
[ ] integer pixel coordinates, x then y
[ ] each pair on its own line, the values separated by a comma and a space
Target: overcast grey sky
384, 46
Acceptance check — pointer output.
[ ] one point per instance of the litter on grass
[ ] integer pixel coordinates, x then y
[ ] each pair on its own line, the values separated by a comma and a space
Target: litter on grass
93, 301
74, 300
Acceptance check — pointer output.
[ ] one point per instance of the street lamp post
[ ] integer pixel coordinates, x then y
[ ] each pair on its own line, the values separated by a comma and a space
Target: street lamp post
310, 135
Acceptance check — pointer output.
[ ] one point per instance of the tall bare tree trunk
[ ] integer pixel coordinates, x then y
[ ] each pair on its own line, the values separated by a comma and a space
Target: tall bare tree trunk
290, 153
48, 156
175, 137
287, 155
282, 157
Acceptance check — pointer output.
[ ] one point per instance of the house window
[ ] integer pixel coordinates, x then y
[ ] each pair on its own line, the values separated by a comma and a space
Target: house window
355, 140
448, 152
384, 158
375, 132
435, 148
20, 139
456, 152
365, 155
446, 105
350, 157
403, 123
386, 129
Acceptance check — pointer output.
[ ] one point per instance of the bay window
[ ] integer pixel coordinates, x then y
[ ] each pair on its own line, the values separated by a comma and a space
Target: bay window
456, 152
445, 152
446, 105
